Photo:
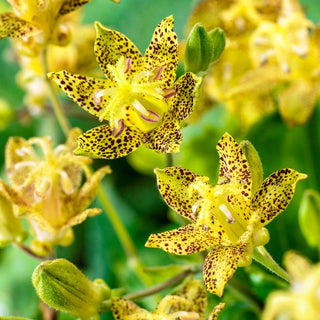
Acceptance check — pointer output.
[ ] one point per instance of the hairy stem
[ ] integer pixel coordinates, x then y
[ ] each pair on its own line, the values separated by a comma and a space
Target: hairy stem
169, 159
261, 255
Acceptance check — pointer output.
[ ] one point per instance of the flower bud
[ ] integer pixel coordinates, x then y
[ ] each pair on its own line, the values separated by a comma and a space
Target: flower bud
202, 48
11, 229
255, 164
309, 217
64, 287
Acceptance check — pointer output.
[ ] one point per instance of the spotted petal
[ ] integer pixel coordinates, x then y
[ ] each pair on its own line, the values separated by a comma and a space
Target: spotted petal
275, 194
182, 241
100, 143
165, 138
110, 45
173, 184
220, 265
182, 103
81, 89
163, 51
12, 26
122, 308
71, 5
216, 310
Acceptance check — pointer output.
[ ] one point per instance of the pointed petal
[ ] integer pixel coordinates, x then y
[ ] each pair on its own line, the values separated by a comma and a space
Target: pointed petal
235, 173
220, 265
275, 194
79, 218
12, 26
100, 143
183, 101
173, 184
82, 89
193, 292
121, 308
71, 5
216, 310
163, 51
166, 138
89, 189
185, 240
110, 45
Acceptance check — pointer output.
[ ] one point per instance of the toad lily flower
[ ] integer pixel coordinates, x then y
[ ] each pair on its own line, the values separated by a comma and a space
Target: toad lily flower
139, 97
190, 303
227, 217
48, 188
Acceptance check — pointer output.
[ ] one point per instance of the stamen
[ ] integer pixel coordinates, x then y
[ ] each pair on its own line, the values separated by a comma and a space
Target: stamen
158, 74
205, 227
118, 129
128, 63
97, 97
285, 68
139, 76
230, 218
139, 107
152, 117
23, 151
169, 93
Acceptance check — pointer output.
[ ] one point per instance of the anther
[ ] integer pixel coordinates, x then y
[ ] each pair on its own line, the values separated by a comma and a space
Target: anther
118, 129
128, 63
152, 116
169, 93
158, 74
97, 97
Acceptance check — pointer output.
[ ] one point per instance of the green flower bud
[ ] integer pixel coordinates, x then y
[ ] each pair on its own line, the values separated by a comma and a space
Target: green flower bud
202, 48
11, 229
309, 217
64, 287
255, 164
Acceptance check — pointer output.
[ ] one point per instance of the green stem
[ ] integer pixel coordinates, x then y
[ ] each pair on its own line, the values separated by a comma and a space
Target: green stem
57, 108
261, 255
169, 159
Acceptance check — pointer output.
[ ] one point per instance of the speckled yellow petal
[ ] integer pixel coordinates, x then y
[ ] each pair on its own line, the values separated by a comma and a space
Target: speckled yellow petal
89, 188
216, 310
173, 184
79, 218
275, 194
12, 26
220, 265
81, 89
100, 143
184, 240
166, 138
71, 5
121, 308
235, 175
195, 293
182, 103
110, 45
163, 51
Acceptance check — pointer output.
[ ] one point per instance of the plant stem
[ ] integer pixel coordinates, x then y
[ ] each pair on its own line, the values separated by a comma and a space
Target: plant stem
62, 119
169, 159
261, 255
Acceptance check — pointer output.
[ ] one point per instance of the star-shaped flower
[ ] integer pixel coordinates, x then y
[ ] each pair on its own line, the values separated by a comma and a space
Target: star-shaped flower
190, 303
227, 217
48, 187
139, 98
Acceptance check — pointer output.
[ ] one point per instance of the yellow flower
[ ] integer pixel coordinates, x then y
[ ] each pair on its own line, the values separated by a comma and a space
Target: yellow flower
190, 303
46, 185
228, 217
139, 97
302, 300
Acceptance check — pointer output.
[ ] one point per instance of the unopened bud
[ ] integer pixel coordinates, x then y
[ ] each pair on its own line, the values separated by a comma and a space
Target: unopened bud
64, 287
255, 164
202, 48
309, 217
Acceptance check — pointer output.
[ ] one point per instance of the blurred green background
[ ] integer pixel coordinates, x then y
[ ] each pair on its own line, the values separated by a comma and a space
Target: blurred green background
96, 249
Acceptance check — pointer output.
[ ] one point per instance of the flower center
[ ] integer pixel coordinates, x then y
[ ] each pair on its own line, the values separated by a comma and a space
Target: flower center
140, 100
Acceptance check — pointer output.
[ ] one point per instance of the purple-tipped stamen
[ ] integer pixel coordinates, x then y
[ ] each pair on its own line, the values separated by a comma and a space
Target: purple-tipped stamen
151, 117
169, 93
97, 99
158, 74
119, 129
128, 63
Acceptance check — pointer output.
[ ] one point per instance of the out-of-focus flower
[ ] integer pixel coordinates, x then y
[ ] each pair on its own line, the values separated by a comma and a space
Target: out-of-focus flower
190, 303
229, 217
139, 97
302, 300
6, 114
47, 186
64, 287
